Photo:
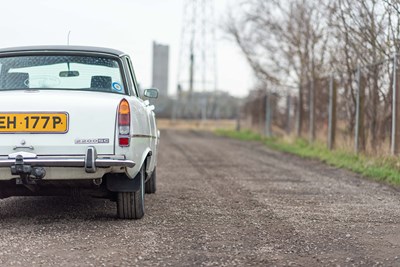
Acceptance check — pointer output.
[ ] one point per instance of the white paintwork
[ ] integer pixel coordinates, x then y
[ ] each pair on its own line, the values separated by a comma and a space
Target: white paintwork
92, 115
143, 126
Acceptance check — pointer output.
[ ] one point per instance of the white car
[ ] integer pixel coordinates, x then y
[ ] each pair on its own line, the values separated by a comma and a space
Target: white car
72, 121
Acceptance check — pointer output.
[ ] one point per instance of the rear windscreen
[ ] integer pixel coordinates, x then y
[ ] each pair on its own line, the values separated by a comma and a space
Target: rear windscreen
89, 73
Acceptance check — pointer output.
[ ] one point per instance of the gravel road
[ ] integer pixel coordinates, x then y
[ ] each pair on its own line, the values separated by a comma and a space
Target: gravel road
220, 202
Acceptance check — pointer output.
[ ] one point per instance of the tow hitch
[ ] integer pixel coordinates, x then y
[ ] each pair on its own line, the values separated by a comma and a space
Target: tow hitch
26, 172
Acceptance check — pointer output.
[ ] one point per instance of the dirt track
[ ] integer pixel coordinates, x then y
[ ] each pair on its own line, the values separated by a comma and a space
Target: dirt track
219, 202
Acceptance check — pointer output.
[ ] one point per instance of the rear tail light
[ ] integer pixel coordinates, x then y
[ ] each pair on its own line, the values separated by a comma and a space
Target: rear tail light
123, 141
124, 123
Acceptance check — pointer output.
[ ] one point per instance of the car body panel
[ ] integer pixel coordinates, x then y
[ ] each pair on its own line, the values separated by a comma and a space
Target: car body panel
91, 117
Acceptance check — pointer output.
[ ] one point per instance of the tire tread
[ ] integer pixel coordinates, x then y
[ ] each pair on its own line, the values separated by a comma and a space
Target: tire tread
130, 205
151, 184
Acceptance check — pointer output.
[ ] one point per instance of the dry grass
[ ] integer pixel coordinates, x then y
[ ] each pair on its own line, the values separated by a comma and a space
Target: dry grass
207, 125
344, 138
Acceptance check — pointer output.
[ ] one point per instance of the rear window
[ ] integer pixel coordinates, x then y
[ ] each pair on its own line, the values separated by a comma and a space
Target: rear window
89, 73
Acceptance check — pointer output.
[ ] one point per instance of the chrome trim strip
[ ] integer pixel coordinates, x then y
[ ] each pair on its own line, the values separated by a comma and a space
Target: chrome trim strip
115, 163
143, 136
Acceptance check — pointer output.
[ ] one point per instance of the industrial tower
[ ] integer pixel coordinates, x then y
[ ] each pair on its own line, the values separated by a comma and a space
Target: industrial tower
197, 66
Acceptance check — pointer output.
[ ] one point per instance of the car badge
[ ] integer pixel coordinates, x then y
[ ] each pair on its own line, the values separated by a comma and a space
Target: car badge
23, 142
92, 141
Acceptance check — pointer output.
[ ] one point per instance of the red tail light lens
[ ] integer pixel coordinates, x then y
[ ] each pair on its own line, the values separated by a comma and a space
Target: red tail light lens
124, 141
124, 122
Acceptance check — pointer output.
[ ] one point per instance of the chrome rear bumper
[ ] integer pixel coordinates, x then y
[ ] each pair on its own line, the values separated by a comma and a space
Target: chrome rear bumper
90, 161
70, 162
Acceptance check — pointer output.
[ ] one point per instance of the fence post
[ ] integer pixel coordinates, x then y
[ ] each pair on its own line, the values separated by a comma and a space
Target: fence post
288, 108
268, 115
312, 112
395, 144
332, 113
357, 128
299, 119
261, 102
359, 138
238, 118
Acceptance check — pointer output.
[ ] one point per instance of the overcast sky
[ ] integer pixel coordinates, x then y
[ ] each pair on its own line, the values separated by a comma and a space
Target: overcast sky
128, 25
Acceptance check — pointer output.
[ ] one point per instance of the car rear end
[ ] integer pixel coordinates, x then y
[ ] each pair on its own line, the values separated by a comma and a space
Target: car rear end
60, 122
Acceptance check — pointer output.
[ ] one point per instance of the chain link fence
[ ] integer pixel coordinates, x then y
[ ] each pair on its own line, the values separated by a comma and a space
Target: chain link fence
357, 110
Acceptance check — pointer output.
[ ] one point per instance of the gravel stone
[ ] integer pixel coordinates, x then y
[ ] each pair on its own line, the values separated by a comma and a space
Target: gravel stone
220, 202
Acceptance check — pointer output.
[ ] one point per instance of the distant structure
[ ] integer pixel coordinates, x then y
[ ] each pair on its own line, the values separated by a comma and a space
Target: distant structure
161, 68
197, 70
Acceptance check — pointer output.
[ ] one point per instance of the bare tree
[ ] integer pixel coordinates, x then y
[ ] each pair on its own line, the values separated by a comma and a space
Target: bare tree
361, 38
296, 42
284, 42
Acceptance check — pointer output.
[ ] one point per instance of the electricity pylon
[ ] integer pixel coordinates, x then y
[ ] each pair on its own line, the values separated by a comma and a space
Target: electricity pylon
197, 69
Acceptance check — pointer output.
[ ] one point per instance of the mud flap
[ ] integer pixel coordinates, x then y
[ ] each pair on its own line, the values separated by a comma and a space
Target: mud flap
121, 183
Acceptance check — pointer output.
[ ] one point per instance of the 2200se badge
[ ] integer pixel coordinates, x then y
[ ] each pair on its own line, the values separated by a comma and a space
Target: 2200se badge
33, 123
92, 141
72, 120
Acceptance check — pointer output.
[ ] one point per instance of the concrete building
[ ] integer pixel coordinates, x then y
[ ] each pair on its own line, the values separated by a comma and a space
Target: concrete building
161, 68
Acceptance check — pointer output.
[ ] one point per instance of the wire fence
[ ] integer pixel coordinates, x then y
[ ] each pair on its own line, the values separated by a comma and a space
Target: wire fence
357, 110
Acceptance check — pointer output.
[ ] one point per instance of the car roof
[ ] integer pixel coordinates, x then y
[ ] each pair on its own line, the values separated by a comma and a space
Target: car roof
56, 48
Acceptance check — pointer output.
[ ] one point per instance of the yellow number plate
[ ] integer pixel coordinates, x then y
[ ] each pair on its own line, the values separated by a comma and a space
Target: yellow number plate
33, 122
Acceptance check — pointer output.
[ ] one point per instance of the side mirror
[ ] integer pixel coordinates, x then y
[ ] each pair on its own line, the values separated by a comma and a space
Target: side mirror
151, 93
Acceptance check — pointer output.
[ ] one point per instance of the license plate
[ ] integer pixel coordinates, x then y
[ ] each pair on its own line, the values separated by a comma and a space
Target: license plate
33, 122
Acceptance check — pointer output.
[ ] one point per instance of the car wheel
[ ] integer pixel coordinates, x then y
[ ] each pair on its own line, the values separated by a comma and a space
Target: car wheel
151, 183
130, 205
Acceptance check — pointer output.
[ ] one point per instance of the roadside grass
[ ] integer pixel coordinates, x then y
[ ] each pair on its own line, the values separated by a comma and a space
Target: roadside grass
385, 169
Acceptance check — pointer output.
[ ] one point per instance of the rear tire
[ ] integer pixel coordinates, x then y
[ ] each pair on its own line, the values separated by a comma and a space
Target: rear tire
151, 187
130, 205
